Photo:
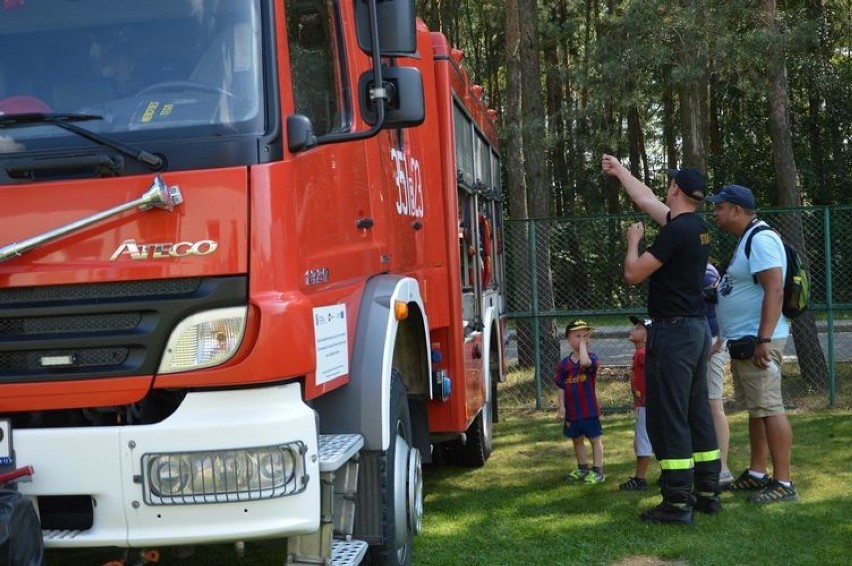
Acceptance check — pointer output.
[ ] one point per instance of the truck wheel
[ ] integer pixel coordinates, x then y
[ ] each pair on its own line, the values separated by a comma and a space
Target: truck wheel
402, 484
475, 451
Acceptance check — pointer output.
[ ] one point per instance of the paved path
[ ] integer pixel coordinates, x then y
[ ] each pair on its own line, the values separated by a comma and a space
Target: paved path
614, 349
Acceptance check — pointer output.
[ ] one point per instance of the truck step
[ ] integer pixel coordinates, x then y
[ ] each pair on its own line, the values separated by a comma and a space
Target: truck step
336, 449
347, 552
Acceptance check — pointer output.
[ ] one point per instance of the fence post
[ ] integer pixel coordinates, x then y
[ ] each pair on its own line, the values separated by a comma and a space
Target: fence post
534, 308
829, 316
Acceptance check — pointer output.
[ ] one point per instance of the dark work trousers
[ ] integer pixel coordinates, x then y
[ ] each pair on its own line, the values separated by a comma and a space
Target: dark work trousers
680, 425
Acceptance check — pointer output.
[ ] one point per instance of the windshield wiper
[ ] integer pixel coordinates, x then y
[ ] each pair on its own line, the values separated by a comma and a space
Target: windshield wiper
66, 122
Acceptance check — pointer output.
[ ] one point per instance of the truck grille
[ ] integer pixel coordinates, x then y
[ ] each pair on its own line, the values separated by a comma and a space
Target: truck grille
63, 332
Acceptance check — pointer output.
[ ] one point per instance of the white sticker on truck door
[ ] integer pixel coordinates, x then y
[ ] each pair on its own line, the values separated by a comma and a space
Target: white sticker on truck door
331, 342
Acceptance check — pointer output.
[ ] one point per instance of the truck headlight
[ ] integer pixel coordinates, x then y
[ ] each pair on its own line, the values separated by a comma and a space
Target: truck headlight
204, 340
215, 476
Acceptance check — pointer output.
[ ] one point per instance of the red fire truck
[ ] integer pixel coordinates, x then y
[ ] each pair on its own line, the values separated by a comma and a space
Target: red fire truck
251, 272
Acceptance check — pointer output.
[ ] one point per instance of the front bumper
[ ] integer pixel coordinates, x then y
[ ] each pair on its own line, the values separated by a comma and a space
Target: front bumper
105, 463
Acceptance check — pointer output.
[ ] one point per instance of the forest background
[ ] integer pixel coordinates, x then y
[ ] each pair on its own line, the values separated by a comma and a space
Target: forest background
755, 93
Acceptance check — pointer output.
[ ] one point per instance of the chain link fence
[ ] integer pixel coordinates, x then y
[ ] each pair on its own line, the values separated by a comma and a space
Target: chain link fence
565, 268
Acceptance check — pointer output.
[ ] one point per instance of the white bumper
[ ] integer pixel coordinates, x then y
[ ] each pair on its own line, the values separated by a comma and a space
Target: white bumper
105, 463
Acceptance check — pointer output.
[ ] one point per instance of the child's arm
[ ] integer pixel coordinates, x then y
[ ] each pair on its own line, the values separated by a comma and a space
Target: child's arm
560, 406
585, 360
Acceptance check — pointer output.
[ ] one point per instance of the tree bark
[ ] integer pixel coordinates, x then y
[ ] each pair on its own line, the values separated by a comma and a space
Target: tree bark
811, 359
537, 172
513, 158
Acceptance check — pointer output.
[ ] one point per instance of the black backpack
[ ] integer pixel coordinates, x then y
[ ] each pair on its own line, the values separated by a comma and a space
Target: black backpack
797, 287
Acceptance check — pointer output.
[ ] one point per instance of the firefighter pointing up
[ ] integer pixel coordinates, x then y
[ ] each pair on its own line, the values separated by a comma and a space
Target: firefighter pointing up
680, 425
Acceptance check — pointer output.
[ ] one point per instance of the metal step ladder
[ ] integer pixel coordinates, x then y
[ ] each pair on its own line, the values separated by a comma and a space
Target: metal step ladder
333, 543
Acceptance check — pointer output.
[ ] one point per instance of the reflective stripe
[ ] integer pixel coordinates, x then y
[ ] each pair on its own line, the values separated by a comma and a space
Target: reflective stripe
685, 464
707, 456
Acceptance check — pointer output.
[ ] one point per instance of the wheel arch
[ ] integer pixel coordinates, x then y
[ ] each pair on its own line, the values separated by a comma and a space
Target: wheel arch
380, 342
492, 341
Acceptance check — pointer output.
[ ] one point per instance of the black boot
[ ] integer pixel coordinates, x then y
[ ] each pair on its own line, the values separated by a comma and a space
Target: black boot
676, 508
706, 490
665, 513
707, 503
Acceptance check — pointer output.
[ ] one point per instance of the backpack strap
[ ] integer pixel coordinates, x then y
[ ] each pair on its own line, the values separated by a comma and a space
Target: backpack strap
755, 230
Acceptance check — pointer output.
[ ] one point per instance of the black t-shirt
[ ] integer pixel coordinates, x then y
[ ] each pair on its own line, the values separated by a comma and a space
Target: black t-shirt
683, 246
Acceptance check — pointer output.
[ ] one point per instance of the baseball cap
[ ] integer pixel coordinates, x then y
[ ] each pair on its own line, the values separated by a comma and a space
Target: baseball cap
578, 324
690, 180
636, 320
735, 194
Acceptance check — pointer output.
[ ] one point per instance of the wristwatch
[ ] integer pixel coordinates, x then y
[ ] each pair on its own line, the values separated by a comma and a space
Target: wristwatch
761, 340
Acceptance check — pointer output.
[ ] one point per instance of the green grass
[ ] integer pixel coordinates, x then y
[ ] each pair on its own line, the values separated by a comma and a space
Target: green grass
518, 510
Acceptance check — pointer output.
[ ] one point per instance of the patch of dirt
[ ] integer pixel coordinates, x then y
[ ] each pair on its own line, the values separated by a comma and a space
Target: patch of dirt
648, 561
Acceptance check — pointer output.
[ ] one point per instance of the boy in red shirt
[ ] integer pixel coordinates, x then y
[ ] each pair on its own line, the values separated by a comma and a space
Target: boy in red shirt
641, 444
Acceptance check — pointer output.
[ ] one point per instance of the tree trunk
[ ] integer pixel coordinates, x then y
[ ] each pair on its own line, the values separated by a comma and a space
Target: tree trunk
556, 124
669, 138
811, 359
513, 158
536, 171
693, 64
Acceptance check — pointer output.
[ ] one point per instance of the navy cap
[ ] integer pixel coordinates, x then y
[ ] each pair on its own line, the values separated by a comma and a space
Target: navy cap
643, 321
735, 194
690, 180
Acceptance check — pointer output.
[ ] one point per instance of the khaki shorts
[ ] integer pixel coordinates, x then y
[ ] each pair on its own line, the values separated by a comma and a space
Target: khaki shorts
758, 388
716, 373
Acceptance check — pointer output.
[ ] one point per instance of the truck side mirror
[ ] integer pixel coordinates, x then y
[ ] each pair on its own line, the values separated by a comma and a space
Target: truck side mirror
405, 106
396, 23
300, 133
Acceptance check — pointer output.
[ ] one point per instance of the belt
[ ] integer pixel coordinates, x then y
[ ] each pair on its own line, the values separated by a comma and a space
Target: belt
661, 320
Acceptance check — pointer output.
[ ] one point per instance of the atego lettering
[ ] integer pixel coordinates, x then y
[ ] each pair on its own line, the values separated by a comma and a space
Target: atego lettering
135, 251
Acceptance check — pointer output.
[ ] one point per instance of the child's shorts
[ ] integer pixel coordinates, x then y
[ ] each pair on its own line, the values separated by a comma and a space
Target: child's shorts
641, 443
590, 428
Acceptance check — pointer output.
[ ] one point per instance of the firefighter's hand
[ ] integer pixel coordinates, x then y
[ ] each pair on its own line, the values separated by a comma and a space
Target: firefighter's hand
635, 232
611, 165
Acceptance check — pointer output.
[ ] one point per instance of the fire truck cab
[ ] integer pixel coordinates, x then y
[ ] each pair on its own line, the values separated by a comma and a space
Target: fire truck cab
251, 271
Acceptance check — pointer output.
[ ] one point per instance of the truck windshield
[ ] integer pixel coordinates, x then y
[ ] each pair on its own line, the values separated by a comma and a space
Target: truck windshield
151, 69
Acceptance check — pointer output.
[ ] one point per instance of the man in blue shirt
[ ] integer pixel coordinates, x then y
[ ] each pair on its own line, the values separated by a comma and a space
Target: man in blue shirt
751, 296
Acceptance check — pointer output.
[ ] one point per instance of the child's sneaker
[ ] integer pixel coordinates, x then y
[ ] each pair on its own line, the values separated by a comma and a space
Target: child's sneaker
594, 477
774, 492
726, 478
634, 484
577, 475
747, 482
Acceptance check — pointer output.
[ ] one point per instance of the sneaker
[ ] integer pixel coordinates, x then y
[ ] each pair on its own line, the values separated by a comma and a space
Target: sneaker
634, 484
747, 482
774, 492
668, 514
594, 477
726, 478
577, 475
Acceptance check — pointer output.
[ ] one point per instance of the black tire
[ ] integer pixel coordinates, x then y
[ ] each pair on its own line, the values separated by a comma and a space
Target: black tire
475, 451
495, 371
402, 484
